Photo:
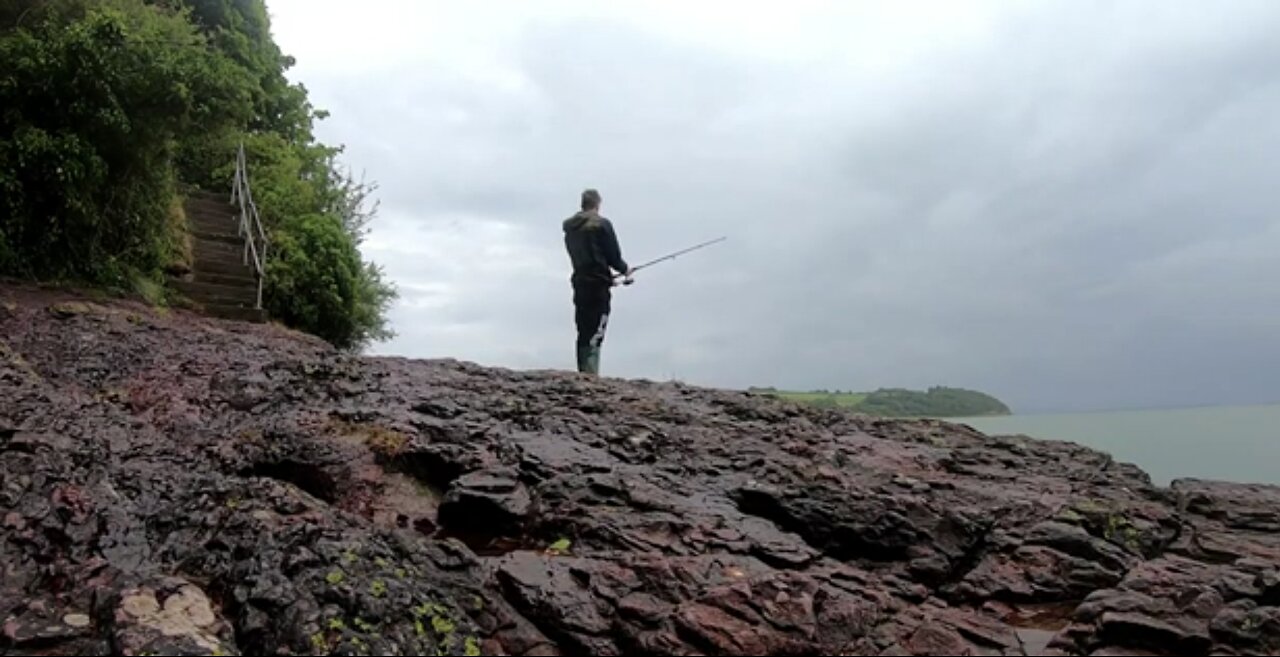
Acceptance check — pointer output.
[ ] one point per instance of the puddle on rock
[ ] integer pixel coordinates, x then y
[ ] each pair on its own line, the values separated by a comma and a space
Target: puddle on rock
405, 502
1037, 625
1035, 642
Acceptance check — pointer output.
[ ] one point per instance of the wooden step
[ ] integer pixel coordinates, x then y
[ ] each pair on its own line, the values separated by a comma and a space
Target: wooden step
214, 293
214, 227
215, 222
217, 264
220, 240
221, 267
222, 253
209, 207
246, 301
217, 236
221, 302
225, 302
217, 248
231, 268
211, 194
221, 230
235, 280
226, 254
209, 217
218, 233
204, 198
237, 313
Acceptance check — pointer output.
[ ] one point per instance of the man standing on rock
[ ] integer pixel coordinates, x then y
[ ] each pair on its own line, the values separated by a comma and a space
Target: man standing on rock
595, 254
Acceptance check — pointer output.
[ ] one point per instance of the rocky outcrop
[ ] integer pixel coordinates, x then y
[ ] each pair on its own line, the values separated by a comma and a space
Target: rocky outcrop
171, 484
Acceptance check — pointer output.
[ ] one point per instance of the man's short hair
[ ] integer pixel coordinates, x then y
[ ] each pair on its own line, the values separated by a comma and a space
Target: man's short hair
590, 200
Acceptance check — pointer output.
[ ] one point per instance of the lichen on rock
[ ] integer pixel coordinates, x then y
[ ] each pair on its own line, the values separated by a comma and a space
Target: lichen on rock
183, 623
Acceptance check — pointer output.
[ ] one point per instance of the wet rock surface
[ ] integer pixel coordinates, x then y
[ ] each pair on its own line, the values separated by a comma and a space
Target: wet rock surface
171, 484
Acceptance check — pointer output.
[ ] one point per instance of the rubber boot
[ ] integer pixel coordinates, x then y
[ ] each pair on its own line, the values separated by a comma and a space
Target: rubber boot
589, 360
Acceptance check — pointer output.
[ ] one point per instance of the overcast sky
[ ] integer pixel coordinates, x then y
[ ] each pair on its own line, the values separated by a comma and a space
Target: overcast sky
1070, 205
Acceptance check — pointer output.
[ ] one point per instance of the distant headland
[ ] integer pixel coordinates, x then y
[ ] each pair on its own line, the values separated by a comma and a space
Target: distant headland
938, 401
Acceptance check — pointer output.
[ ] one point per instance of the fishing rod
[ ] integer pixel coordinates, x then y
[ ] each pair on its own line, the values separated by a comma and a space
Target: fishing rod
670, 256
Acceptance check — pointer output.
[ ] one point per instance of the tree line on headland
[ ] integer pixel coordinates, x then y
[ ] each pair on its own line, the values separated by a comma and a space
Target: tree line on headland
938, 401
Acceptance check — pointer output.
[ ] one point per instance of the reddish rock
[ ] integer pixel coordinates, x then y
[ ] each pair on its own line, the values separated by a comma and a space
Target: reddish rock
301, 501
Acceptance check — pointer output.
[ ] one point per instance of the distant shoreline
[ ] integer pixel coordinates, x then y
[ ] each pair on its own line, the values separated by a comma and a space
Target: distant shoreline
1137, 409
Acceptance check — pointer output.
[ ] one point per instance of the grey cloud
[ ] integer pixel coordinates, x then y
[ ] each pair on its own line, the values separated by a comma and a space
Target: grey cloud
1075, 213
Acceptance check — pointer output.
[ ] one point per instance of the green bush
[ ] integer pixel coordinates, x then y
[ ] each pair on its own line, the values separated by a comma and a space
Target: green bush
107, 105
317, 280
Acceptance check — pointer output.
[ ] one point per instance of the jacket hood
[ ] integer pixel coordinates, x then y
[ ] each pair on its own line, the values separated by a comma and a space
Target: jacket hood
580, 220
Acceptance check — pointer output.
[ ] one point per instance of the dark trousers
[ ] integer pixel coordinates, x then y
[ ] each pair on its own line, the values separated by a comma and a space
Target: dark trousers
591, 303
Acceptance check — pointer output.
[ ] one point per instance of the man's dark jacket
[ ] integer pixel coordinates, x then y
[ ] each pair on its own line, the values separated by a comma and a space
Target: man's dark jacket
593, 248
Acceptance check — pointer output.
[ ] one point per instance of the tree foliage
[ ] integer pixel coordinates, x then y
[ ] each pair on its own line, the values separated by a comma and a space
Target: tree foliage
94, 98
109, 107
938, 401
934, 402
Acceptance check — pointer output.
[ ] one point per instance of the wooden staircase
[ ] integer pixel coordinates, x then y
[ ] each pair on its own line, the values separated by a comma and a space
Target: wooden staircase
221, 282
